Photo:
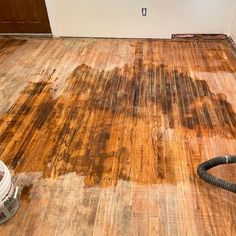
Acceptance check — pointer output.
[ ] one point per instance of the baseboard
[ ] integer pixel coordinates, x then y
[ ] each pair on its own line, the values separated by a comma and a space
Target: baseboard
200, 36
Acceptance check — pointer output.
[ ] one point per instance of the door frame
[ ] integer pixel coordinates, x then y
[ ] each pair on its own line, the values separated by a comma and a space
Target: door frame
52, 18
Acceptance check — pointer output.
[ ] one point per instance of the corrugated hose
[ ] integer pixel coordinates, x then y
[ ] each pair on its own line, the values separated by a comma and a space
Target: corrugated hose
221, 160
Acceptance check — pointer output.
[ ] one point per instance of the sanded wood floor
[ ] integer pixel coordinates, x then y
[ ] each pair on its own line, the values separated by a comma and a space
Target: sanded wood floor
104, 136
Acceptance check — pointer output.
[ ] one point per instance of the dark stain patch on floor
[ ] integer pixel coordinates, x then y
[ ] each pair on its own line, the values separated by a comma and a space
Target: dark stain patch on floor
9, 45
175, 93
76, 130
25, 193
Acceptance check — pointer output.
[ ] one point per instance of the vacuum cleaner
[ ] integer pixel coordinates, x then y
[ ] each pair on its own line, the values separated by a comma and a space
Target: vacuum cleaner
221, 160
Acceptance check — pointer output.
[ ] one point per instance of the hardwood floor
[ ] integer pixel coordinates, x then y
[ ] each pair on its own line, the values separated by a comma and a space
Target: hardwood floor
104, 136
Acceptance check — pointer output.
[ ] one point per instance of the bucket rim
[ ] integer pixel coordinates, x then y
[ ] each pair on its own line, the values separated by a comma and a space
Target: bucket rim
5, 172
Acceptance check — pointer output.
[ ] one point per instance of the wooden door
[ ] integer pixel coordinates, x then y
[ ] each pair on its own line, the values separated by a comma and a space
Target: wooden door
24, 16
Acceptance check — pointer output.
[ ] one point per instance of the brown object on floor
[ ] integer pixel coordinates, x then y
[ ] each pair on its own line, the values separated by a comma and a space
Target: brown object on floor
105, 135
24, 16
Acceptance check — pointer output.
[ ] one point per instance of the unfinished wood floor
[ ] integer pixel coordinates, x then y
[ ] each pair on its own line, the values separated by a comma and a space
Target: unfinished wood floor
104, 136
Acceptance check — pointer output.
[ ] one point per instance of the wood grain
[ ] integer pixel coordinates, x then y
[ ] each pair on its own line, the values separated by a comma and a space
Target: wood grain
104, 136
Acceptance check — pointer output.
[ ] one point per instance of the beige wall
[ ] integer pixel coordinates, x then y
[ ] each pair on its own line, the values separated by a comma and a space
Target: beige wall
122, 18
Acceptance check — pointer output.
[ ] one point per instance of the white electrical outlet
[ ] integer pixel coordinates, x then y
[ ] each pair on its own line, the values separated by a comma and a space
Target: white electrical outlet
144, 11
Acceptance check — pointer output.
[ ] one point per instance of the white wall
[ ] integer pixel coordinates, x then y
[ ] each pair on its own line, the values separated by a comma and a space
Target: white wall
122, 18
233, 27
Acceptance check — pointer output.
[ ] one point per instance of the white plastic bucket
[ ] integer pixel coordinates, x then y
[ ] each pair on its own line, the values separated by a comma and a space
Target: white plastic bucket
9, 201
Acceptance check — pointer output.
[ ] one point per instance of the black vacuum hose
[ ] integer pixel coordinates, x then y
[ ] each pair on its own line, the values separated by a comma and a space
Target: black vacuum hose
202, 172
